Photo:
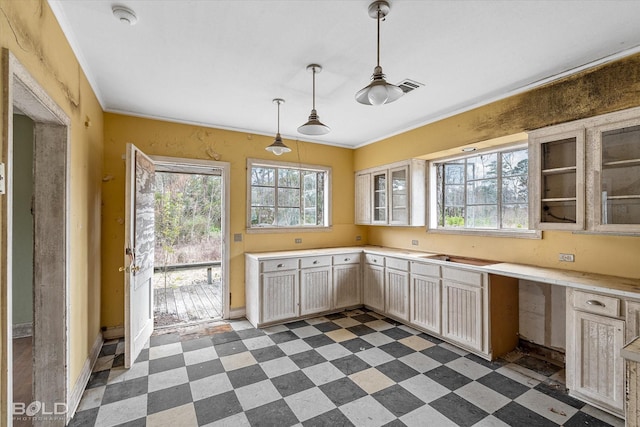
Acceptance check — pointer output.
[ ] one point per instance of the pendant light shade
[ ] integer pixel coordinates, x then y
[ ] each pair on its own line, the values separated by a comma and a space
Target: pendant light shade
378, 92
278, 146
314, 126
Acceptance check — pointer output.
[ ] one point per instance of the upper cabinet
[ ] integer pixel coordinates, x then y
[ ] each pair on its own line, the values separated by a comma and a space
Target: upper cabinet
392, 194
557, 179
585, 175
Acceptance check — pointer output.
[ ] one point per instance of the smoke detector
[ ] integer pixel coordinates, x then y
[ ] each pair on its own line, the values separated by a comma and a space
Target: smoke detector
124, 15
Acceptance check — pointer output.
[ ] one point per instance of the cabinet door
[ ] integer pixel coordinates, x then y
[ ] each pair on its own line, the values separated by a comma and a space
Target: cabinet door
462, 317
425, 302
363, 198
632, 321
379, 197
346, 285
315, 290
279, 295
596, 364
374, 287
397, 294
399, 196
557, 180
616, 176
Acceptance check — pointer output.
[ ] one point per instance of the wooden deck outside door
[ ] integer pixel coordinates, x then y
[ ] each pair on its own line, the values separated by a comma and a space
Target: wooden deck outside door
139, 244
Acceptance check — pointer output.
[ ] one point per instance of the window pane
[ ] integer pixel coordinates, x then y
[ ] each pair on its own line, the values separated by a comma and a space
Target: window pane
482, 192
263, 196
484, 166
454, 217
288, 217
288, 197
515, 216
289, 178
482, 217
453, 195
263, 176
454, 173
515, 163
514, 190
261, 217
310, 217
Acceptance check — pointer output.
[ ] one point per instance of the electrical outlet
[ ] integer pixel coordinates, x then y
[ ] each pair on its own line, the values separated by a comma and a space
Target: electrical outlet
414, 242
237, 237
358, 238
298, 240
566, 257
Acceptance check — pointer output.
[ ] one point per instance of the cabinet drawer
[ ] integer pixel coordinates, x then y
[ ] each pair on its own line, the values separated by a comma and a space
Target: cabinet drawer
279, 264
397, 264
425, 269
315, 261
346, 259
595, 303
463, 276
374, 259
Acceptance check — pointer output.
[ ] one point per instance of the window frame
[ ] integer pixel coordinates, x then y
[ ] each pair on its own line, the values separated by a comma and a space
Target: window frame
433, 213
327, 224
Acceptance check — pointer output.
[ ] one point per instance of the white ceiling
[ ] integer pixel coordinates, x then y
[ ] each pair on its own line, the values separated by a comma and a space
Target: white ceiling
220, 63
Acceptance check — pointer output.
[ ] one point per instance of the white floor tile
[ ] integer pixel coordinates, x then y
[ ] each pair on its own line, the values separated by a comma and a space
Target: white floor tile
483, 397
377, 339
91, 398
366, 412
210, 386
237, 420
309, 403
333, 351
419, 362
258, 342
374, 356
306, 331
468, 368
257, 394
166, 379
276, 367
165, 350
294, 347
122, 411
426, 416
424, 388
138, 370
198, 356
546, 406
323, 373
490, 421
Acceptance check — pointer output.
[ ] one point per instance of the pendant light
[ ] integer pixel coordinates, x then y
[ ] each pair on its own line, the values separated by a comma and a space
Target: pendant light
278, 146
314, 126
378, 92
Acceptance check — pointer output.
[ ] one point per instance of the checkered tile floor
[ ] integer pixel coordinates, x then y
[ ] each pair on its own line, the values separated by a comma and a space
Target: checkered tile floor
349, 369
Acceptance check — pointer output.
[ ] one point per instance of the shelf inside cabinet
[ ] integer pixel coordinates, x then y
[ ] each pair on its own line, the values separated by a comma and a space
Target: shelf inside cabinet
621, 163
556, 171
559, 199
626, 197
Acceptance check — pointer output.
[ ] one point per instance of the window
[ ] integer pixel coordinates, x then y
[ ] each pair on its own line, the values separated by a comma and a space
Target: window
487, 191
287, 195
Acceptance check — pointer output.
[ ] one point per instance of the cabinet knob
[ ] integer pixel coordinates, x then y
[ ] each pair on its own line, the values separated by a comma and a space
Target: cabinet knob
595, 302
347, 259
315, 262
280, 265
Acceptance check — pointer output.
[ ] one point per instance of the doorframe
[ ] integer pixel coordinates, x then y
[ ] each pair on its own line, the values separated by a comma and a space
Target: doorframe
225, 167
51, 382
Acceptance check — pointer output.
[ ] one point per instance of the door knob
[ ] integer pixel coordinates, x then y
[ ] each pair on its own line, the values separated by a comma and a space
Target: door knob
124, 269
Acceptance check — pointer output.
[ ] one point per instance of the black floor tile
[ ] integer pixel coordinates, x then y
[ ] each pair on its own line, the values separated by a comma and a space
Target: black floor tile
143, 356
280, 337
84, 418
307, 358
361, 330
157, 340
250, 333
267, 353
364, 318
125, 390
515, 414
559, 392
118, 361
168, 398
536, 365
350, 364
397, 400
247, 375
355, 345
329, 419
342, 391
440, 354
108, 350
396, 333
140, 422
318, 340
493, 365
204, 369
447, 377
274, 414
225, 337
217, 407
292, 383
582, 419
166, 363
327, 327
197, 344
397, 371
297, 324
430, 338
335, 316
98, 379
458, 410
229, 348
396, 349
503, 385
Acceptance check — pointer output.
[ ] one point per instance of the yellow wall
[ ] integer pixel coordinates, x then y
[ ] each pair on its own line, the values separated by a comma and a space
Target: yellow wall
178, 140
608, 88
30, 31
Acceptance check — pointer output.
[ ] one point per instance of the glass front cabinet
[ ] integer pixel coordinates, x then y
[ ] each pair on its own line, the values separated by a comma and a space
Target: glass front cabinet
393, 194
585, 175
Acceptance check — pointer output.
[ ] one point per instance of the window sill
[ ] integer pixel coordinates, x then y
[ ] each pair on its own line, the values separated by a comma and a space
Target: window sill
531, 234
274, 230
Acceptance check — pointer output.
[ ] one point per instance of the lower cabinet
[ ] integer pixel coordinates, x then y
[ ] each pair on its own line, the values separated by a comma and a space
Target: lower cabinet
347, 283
595, 336
374, 282
279, 296
425, 297
315, 289
397, 288
463, 316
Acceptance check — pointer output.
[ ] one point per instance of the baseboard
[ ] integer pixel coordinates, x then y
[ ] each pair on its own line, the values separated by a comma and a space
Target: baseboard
83, 379
237, 313
552, 355
22, 330
113, 333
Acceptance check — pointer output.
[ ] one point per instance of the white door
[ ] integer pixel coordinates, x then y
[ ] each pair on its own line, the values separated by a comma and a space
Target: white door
139, 243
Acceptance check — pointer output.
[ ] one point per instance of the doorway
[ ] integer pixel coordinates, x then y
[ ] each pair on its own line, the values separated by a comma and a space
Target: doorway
188, 245
49, 168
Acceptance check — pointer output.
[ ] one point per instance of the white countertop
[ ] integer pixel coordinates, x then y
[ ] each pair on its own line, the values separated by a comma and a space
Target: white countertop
620, 286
